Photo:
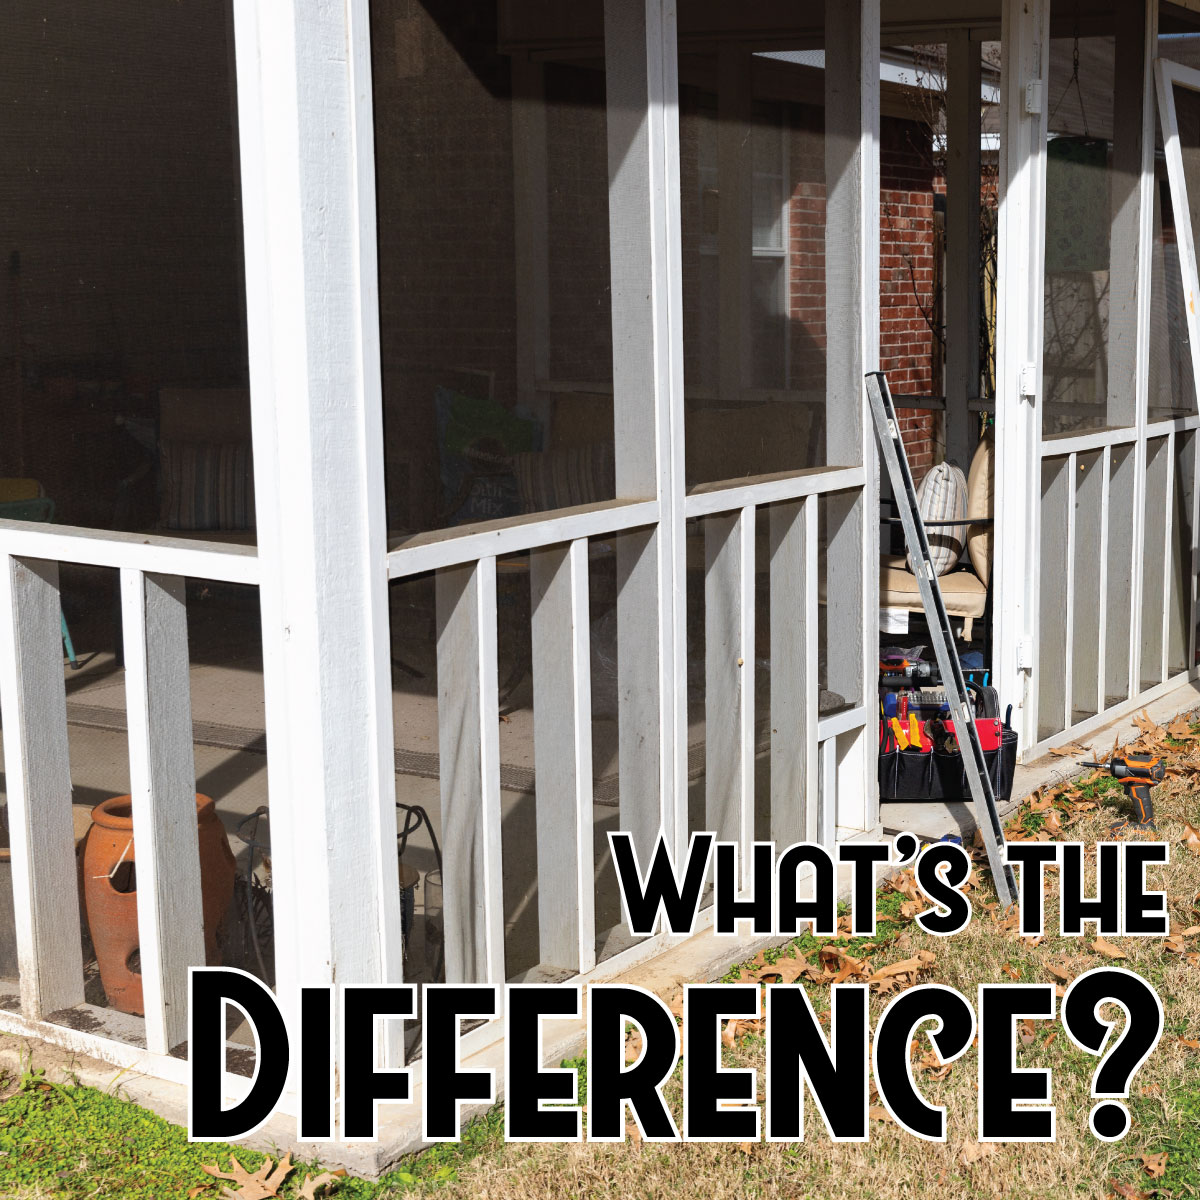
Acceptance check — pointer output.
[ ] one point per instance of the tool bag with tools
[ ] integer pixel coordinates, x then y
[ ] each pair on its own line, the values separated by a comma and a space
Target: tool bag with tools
919, 754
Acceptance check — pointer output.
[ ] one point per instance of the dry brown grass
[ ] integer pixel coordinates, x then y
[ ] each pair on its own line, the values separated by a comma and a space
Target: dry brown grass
894, 1164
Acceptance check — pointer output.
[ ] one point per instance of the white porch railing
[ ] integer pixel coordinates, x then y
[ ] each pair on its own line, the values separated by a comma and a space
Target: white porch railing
162, 785
1117, 620
803, 746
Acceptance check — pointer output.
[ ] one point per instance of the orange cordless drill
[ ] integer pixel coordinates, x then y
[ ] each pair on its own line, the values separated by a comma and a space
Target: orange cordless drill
1137, 773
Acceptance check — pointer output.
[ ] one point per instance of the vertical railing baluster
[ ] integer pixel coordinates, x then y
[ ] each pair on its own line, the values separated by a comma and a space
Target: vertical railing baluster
162, 783
469, 749
729, 677
37, 772
562, 742
794, 651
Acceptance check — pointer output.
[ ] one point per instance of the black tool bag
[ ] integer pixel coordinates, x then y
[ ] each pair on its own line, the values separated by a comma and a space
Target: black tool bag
938, 775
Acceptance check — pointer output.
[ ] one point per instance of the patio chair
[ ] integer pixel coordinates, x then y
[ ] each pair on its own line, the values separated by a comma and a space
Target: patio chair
966, 590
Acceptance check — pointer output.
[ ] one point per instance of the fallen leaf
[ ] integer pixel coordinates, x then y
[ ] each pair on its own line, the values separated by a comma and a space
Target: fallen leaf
1059, 973
1070, 751
878, 1113
1100, 946
1149, 727
194, 1192
1155, 1164
1127, 1190
1011, 972
1191, 931
1175, 945
262, 1184
1179, 728
1190, 1043
1027, 1033
1050, 1037
729, 1034
906, 966
784, 969
1191, 838
308, 1189
633, 1133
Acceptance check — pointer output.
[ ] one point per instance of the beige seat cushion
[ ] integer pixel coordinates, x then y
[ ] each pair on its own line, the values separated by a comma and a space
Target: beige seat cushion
964, 595
981, 484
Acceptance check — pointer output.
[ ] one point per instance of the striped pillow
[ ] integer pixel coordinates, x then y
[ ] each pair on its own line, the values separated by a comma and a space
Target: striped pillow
942, 496
552, 479
206, 485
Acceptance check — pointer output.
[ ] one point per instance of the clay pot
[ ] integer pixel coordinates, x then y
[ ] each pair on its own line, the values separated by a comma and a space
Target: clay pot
110, 893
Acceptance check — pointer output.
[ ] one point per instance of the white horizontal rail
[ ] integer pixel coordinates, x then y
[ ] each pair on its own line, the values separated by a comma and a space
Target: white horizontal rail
710, 499
838, 723
1061, 444
512, 535
152, 553
1172, 425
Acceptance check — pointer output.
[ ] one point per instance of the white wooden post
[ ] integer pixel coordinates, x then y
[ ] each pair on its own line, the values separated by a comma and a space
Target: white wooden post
162, 784
735, 183
531, 202
37, 772
469, 750
1132, 93
308, 202
562, 745
729, 678
647, 308
794, 652
1024, 106
963, 121
852, 349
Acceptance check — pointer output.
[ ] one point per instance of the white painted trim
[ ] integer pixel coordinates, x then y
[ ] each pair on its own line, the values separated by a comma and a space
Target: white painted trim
1020, 268
1117, 711
642, 90
963, 121
841, 722
308, 208
851, 143
732, 495
465, 544
1060, 444
137, 551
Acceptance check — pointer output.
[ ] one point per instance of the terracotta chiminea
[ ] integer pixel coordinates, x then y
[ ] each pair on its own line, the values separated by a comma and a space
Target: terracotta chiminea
110, 893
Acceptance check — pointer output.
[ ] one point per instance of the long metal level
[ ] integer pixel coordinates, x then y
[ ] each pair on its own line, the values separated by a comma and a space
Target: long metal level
891, 448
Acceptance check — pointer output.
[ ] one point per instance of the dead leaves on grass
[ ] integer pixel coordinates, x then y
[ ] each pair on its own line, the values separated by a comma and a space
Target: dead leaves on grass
1155, 1165
263, 1184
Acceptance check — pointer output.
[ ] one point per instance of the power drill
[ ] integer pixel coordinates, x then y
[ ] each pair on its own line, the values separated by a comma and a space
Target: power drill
1137, 773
